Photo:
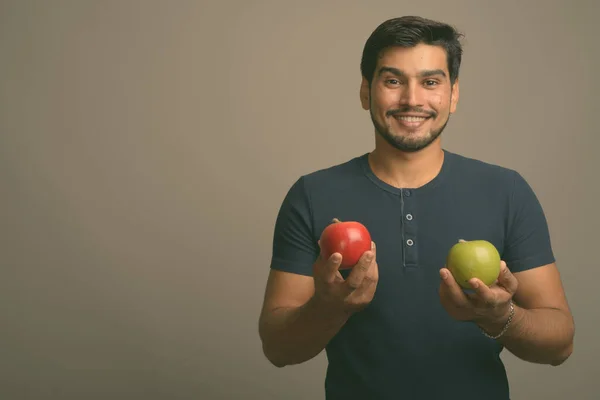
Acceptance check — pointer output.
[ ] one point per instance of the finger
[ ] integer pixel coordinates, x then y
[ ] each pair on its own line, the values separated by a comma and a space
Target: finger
329, 270
374, 270
367, 286
483, 293
369, 281
450, 288
507, 280
361, 269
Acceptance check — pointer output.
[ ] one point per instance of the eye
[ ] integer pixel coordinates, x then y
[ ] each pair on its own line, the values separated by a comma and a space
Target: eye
430, 82
393, 81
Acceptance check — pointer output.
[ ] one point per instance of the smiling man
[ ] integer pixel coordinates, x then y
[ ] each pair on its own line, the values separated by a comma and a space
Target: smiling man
409, 115
397, 325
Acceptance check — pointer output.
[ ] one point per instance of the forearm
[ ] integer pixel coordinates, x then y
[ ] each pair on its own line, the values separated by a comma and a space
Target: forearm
294, 335
543, 336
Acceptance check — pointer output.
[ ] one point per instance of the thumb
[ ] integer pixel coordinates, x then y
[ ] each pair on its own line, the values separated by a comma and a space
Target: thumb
507, 279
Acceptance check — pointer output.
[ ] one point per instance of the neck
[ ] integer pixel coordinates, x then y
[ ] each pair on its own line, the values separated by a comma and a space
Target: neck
405, 169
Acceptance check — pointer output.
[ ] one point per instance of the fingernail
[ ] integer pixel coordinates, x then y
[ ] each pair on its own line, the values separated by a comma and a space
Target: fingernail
369, 257
444, 274
335, 258
475, 284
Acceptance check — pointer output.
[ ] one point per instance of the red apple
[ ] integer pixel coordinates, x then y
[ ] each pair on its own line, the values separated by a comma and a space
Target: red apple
351, 239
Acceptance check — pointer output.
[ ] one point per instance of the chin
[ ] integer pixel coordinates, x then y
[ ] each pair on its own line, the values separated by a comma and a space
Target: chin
412, 137
411, 142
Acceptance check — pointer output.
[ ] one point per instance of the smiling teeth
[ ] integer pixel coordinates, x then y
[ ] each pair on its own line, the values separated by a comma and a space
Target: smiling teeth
412, 119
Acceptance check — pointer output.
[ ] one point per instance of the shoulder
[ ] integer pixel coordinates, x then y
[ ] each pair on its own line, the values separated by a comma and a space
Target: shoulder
317, 186
464, 166
334, 177
483, 175
348, 168
492, 181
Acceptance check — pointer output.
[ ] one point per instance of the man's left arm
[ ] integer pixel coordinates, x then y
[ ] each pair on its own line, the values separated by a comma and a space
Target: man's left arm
542, 327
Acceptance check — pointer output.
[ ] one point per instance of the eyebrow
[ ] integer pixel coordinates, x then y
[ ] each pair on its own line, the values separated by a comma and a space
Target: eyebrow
422, 74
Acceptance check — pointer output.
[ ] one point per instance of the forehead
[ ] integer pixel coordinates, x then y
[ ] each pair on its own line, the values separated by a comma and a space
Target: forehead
414, 59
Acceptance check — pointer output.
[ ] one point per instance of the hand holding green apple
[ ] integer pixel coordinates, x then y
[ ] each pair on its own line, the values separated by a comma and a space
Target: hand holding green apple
473, 259
476, 265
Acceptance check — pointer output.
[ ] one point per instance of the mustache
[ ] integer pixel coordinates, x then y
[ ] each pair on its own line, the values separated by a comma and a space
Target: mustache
419, 110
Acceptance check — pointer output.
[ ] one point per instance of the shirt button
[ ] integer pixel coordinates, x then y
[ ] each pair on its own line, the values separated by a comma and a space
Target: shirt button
410, 242
407, 192
409, 217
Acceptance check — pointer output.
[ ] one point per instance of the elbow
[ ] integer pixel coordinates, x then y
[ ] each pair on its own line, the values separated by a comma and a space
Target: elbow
567, 350
272, 358
268, 351
276, 363
564, 356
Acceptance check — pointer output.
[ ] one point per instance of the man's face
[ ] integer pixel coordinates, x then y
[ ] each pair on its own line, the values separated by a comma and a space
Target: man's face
411, 98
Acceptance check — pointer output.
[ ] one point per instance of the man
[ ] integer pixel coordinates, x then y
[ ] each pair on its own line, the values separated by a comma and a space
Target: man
397, 325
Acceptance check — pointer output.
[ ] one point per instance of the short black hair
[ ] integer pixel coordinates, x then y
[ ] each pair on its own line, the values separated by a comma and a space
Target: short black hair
409, 31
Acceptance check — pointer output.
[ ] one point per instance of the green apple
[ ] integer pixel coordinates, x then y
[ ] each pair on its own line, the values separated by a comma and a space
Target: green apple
473, 259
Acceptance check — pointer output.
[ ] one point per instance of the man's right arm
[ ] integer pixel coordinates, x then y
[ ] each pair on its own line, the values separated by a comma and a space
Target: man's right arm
306, 299
294, 325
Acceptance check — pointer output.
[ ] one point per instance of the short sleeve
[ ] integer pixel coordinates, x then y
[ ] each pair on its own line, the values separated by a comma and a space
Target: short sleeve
528, 243
294, 247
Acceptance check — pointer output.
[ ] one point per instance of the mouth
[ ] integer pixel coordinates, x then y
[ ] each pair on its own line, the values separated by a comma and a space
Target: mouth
411, 121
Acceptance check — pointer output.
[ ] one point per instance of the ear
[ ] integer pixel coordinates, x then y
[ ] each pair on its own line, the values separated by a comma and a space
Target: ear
454, 97
364, 94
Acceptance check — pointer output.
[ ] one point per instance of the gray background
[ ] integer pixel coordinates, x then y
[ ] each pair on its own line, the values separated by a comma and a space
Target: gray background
145, 147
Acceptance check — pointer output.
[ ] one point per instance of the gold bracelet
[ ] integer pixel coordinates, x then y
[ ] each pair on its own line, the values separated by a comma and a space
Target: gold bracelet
510, 317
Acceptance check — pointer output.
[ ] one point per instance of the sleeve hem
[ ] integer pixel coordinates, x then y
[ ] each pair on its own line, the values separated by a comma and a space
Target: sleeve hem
294, 268
530, 262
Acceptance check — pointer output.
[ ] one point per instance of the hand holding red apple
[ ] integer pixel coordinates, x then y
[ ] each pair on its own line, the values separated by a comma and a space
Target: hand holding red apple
351, 239
343, 248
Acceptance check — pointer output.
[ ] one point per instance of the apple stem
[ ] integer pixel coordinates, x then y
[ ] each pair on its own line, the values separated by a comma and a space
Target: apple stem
335, 220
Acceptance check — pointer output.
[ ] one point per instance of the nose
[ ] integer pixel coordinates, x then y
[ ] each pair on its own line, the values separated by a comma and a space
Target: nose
411, 95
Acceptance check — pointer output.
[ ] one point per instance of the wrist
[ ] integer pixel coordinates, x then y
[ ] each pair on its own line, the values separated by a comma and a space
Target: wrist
497, 327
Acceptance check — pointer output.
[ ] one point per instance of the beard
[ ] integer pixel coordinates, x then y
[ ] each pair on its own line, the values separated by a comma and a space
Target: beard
406, 143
